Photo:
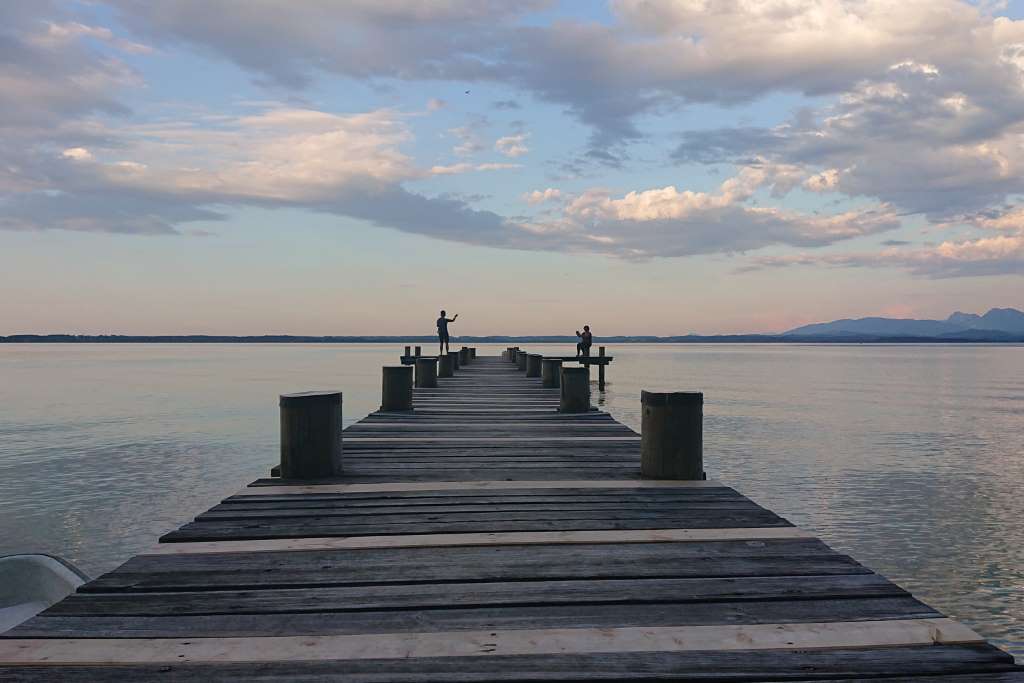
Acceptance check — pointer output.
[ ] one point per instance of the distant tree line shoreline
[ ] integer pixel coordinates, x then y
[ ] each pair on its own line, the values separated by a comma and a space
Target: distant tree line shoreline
973, 337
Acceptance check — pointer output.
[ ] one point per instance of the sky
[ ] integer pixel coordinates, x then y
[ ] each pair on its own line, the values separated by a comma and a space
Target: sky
645, 166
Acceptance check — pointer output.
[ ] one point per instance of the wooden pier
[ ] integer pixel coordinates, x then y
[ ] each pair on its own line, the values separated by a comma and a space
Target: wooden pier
485, 536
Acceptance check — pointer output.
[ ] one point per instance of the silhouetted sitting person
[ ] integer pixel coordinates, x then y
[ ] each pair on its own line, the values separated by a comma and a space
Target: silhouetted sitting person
586, 339
442, 330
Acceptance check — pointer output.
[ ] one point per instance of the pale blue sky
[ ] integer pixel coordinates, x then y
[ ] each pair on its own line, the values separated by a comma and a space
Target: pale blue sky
232, 168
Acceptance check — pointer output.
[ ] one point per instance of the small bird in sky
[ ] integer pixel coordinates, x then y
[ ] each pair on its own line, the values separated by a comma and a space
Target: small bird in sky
467, 92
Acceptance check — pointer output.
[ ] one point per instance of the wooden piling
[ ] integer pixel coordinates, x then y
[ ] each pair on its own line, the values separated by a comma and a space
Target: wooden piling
521, 360
444, 366
464, 356
418, 351
396, 388
600, 369
550, 372
575, 390
407, 354
311, 434
426, 373
672, 442
533, 365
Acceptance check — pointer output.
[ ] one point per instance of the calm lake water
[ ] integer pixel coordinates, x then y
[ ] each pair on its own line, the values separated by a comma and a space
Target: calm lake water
910, 458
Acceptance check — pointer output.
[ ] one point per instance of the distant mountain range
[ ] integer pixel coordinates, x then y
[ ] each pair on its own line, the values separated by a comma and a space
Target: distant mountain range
997, 323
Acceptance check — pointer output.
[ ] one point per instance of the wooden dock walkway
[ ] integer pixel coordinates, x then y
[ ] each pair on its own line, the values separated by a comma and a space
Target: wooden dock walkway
487, 537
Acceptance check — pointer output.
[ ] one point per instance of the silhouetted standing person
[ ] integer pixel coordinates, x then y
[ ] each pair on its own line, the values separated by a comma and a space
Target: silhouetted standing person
442, 330
586, 339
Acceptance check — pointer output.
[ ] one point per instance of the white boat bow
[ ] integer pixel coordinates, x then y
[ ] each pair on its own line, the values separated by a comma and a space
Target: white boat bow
30, 583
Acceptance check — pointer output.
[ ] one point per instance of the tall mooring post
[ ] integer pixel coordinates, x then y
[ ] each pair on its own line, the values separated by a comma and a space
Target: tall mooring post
550, 372
418, 351
454, 355
521, 359
444, 366
396, 388
575, 394
426, 372
533, 365
672, 435
600, 369
310, 434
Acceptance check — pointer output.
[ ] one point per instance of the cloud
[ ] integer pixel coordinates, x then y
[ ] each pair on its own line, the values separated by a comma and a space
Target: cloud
541, 196
938, 140
77, 153
512, 145
61, 34
288, 43
924, 116
668, 222
655, 55
469, 136
49, 72
454, 169
1001, 253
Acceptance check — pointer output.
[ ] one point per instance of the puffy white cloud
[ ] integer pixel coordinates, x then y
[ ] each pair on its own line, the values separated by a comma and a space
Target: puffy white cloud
512, 145
671, 222
943, 141
541, 196
77, 153
278, 155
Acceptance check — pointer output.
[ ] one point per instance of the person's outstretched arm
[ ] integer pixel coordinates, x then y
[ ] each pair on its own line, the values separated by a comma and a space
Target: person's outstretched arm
451, 320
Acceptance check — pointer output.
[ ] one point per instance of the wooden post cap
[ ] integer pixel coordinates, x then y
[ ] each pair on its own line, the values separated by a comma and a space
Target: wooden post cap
288, 399
673, 398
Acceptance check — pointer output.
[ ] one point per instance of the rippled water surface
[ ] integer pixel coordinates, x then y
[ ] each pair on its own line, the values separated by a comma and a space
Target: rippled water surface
910, 458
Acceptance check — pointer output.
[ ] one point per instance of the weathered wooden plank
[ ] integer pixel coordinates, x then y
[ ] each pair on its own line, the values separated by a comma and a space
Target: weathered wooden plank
930, 663
414, 499
491, 594
375, 636
503, 538
480, 522
237, 512
783, 557
268, 487
369, 474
